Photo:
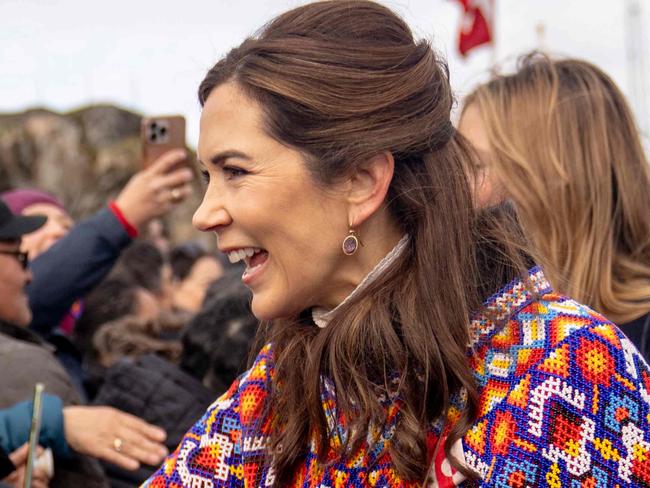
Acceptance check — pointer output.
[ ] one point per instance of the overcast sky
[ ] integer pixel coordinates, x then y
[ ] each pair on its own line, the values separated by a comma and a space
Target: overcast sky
149, 56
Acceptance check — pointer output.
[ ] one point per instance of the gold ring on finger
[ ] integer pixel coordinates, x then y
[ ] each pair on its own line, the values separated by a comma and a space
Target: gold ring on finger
117, 444
176, 195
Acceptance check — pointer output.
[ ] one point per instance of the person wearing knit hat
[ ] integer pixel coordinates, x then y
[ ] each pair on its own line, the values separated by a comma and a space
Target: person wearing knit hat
19, 200
30, 201
25, 359
69, 260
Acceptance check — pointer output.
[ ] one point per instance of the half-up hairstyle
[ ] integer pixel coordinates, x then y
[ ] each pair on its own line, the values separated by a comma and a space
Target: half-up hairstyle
567, 151
341, 81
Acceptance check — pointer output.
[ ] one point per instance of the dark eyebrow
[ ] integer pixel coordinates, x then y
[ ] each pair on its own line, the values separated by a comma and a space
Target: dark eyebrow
221, 157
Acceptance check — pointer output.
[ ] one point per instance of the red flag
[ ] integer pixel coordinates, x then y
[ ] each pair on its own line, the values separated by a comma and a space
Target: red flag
476, 24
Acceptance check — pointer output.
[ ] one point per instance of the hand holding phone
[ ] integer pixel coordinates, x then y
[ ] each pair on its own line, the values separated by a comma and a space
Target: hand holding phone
159, 135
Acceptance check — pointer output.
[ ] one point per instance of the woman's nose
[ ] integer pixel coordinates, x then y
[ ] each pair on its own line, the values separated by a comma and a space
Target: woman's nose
211, 214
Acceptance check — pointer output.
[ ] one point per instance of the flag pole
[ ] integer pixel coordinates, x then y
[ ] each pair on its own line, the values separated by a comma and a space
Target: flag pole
494, 69
540, 30
635, 47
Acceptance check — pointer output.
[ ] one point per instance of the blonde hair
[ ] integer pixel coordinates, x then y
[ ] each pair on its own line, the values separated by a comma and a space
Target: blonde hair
565, 148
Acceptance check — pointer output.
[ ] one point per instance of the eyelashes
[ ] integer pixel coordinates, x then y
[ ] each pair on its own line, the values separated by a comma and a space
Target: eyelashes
234, 172
231, 172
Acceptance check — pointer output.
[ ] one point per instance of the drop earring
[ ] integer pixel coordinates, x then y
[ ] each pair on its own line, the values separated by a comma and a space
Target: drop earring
351, 243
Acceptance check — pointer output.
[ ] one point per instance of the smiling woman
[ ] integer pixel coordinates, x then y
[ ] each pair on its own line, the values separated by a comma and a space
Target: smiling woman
291, 245
335, 173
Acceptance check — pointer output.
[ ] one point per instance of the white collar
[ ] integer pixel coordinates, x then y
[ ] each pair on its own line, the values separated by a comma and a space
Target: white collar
321, 316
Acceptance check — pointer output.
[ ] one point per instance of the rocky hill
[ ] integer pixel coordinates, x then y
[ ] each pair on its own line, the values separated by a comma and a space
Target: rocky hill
84, 157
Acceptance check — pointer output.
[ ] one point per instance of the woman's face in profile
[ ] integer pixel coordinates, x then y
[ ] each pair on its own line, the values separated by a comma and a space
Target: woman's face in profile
266, 209
487, 189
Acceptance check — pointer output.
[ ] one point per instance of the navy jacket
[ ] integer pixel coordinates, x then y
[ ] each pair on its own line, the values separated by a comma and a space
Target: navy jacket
72, 267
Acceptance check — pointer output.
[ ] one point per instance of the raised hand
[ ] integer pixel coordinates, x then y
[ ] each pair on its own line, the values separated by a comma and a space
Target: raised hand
154, 191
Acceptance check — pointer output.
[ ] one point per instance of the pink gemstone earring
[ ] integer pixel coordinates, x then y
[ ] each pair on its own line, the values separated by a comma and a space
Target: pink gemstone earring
351, 243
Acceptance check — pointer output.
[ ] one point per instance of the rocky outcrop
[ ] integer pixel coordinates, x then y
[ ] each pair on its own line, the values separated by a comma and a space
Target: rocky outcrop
85, 157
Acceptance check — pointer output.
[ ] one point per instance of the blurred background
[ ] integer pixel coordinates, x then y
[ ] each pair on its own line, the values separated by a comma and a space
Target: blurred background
78, 75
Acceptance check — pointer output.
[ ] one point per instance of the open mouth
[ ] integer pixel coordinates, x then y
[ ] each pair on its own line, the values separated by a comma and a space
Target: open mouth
254, 257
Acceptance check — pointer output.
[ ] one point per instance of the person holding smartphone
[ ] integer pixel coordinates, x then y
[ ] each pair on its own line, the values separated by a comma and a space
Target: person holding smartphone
89, 430
68, 260
12, 470
13, 308
99, 432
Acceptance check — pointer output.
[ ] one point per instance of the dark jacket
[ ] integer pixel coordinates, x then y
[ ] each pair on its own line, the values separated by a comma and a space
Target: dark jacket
66, 272
72, 267
638, 331
25, 359
157, 391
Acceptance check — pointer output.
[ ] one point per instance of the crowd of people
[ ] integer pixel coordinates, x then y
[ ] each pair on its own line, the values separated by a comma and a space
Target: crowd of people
422, 304
116, 328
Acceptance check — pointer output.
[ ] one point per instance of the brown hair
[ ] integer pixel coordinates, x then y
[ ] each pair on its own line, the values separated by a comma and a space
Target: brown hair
342, 81
565, 147
132, 337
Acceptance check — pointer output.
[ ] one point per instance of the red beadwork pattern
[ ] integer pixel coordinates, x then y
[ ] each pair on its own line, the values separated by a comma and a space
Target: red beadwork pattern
564, 402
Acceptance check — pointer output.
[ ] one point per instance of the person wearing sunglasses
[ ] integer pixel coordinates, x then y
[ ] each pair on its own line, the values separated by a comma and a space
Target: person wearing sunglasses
70, 259
25, 358
14, 274
14, 308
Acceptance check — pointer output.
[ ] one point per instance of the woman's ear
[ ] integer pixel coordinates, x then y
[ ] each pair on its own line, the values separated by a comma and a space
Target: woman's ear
368, 186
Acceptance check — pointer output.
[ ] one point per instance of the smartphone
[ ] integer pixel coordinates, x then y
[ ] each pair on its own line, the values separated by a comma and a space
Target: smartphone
160, 134
34, 433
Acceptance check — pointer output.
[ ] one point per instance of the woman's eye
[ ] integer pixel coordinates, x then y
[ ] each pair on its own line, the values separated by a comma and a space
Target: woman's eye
205, 176
234, 172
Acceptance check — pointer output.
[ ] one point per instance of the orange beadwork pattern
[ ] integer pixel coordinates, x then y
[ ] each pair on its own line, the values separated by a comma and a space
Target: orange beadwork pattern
564, 402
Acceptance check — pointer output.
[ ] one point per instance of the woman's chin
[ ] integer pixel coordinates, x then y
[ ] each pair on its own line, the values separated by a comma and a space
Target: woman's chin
266, 308
262, 310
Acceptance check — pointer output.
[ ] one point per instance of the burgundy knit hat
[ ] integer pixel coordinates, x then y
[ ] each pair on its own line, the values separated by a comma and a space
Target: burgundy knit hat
19, 200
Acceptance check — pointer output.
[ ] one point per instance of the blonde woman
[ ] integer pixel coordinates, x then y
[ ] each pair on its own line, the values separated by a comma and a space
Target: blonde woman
558, 138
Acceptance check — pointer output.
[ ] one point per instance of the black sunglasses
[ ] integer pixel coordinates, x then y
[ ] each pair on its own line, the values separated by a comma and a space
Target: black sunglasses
21, 256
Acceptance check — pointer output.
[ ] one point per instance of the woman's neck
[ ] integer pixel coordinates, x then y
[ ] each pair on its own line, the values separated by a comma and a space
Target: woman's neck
378, 235
321, 315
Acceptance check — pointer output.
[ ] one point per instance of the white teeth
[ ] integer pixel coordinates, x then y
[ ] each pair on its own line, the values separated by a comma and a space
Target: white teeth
241, 254
249, 270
